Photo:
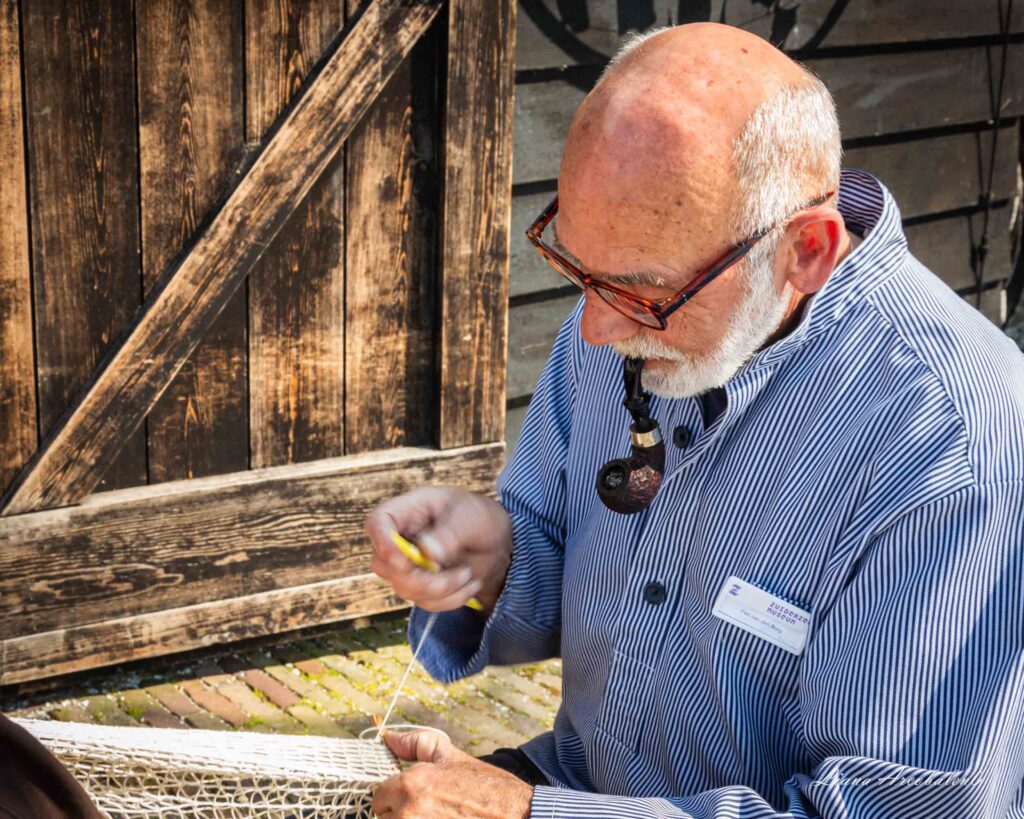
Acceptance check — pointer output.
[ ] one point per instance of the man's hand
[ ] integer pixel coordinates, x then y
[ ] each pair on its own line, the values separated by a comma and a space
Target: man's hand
469, 535
448, 784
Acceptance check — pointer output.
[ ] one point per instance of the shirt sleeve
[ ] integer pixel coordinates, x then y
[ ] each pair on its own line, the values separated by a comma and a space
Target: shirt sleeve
525, 624
912, 685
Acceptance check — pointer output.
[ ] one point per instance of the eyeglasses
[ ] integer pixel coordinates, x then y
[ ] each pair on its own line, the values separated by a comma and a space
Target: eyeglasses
651, 313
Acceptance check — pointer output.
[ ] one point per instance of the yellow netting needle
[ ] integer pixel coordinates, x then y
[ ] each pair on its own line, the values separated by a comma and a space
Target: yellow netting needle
413, 552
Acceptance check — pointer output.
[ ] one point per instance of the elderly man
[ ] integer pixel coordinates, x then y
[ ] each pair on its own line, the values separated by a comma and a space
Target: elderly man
819, 611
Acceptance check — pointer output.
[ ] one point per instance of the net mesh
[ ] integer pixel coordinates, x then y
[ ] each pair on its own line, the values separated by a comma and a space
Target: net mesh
195, 774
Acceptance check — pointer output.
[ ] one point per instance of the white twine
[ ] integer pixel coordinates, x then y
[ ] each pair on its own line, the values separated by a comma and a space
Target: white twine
398, 692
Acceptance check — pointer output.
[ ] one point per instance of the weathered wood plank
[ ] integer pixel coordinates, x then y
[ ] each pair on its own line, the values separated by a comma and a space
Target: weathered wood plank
827, 23
991, 304
552, 33
80, 647
532, 331
296, 291
475, 222
925, 176
18, 433
941, 173
83, 194
885, 93
513, 426
944, 245
177, 314
190, 138
390, 260
528, 272
188, 542
875, 94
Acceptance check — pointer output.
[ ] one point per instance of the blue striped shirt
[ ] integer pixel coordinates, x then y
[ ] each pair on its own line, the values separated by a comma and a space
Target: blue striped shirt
868, 468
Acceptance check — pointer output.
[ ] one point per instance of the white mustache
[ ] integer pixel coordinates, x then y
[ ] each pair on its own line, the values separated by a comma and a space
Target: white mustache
647, 347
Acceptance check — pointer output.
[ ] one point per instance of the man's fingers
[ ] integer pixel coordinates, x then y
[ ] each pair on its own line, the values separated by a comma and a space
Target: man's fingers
418, 746
385, 796
412, 515
444, 539
421, 586
454, 600
379, 526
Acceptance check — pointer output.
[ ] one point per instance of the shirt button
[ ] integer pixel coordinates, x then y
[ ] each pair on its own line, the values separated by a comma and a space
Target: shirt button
654, 593
681, 437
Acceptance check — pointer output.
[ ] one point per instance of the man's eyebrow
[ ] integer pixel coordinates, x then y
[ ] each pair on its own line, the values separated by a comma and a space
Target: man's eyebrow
639, 277
558, 243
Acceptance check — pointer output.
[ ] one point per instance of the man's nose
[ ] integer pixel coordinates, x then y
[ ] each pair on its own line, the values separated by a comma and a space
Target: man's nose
603, 324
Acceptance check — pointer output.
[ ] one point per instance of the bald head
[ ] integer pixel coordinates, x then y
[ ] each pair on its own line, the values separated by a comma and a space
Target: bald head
657, 137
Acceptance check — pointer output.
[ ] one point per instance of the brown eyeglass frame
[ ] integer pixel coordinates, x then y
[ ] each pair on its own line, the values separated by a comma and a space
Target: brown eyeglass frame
659, 309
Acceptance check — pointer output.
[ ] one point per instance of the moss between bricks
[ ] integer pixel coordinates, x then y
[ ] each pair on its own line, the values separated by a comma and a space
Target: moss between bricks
373, 659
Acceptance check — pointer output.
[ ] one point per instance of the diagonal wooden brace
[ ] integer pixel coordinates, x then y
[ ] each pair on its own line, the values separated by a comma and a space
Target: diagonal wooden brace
179, 311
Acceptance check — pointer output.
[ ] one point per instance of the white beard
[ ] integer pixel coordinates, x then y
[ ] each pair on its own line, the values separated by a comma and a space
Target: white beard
756, 318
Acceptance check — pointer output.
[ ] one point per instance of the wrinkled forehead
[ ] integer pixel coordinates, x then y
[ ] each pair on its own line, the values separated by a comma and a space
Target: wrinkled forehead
646, 178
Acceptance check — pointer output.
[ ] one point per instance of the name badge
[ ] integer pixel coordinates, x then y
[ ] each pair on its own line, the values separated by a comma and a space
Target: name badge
764, 615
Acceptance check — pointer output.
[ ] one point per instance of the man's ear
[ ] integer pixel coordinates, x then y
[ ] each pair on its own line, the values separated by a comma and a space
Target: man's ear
810, 248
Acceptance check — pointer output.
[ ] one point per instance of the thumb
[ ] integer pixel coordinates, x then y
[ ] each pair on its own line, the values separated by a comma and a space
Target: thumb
419, 746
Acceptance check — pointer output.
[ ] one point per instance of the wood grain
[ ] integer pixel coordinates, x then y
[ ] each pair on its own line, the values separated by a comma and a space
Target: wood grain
80, 647
190, 296
190, 89
83, 194
875, 94
18, 433
528, 272
189, 542
991, 304
944, 246
475, 222
941, 173
532, 331
390, 260
514, 418
553, 33
296, 291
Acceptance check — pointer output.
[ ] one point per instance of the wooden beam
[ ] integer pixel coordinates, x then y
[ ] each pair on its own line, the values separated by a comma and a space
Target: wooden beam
18, 433
77, 648
553, 33
191, 138
475, 217
296, 334
875, 94
178, 312
81, 130
391, 204
182, 543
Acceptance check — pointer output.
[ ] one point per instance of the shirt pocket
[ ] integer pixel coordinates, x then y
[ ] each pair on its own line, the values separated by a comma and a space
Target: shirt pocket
626, 705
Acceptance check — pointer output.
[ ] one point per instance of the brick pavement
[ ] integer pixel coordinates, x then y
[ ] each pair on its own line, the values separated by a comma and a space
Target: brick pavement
330, 683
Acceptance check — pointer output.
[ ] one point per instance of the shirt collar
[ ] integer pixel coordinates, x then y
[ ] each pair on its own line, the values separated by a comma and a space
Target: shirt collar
869, 210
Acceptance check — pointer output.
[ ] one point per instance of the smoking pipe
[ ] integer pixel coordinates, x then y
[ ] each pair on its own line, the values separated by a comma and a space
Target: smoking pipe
627, 485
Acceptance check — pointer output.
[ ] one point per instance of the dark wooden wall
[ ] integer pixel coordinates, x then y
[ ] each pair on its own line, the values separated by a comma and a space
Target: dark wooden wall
253, 280
913, 81
134, 119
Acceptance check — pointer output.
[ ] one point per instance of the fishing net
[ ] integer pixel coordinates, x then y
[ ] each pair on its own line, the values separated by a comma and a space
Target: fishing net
194, 774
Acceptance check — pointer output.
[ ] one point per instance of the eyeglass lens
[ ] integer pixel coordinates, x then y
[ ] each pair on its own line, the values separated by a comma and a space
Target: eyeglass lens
624, 306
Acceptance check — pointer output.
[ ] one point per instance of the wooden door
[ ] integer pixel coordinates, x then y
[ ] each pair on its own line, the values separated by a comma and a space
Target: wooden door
253, 280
